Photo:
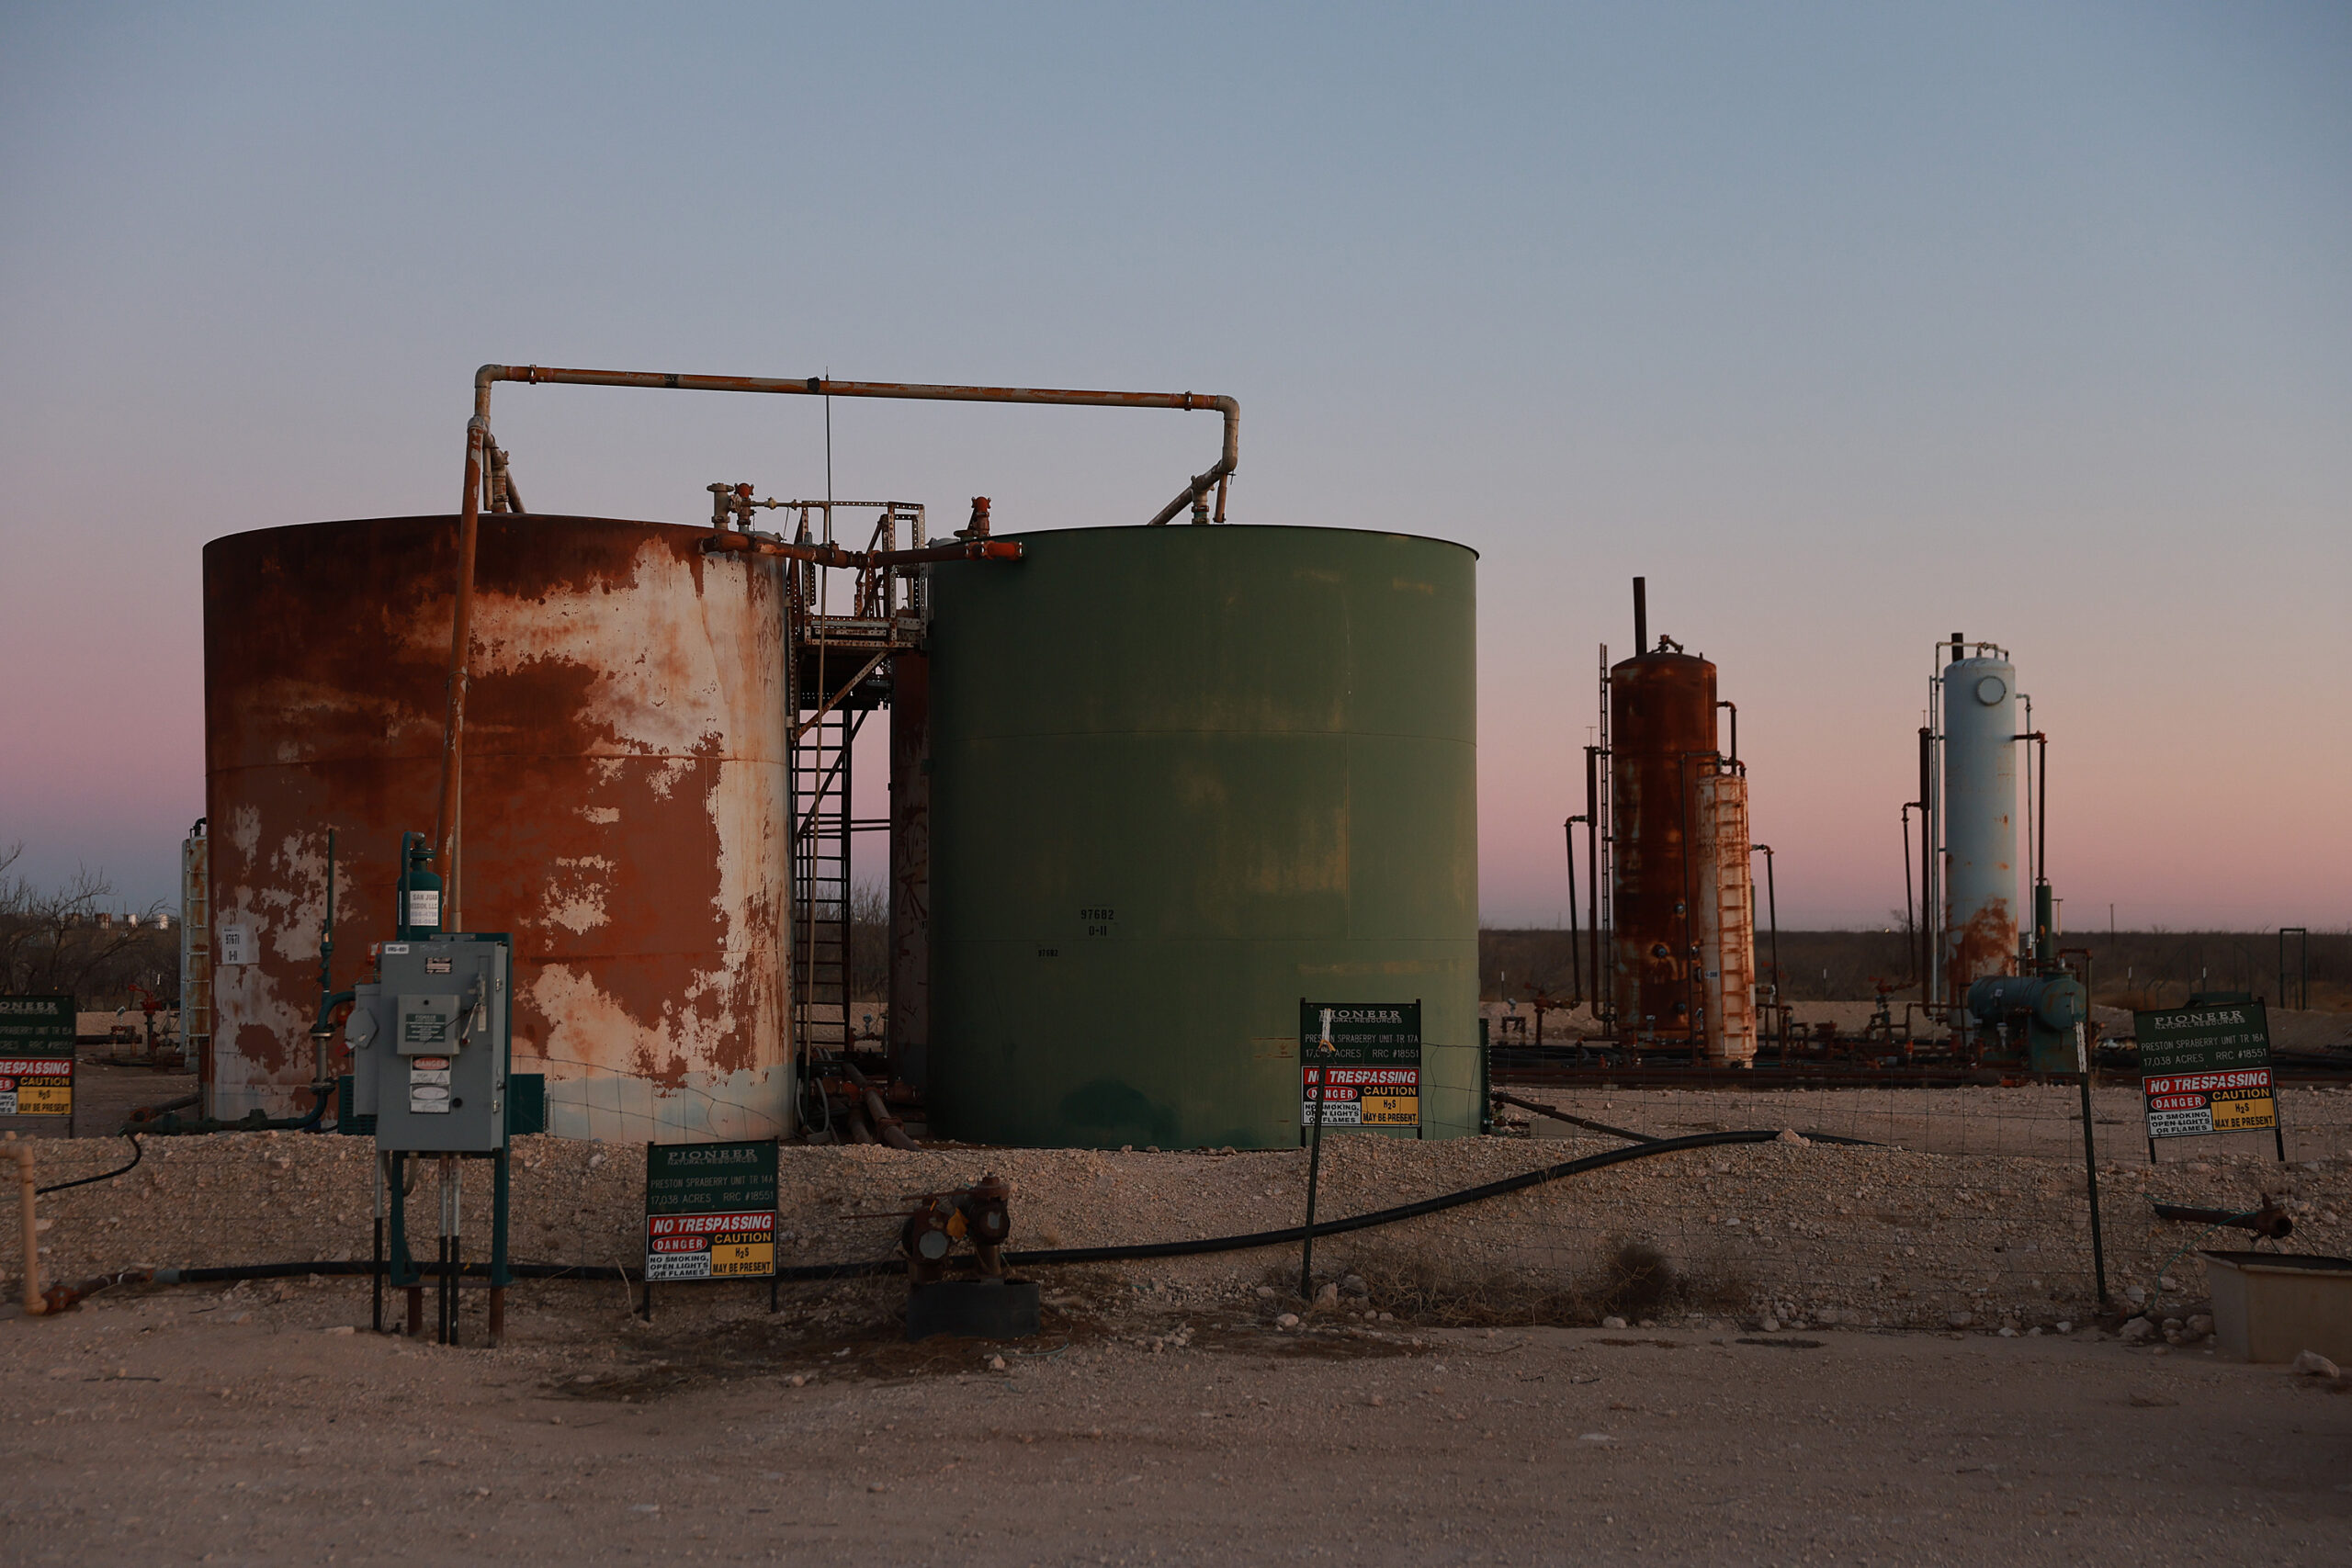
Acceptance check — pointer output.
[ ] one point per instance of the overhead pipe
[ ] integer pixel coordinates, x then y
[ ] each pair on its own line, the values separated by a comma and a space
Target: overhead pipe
1194, 494
446, 835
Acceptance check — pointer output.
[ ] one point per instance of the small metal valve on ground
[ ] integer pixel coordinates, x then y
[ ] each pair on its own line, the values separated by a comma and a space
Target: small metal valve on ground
992, 1306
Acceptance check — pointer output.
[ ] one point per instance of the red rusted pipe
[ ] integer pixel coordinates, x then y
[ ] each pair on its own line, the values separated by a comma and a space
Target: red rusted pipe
1194, 493
453, 732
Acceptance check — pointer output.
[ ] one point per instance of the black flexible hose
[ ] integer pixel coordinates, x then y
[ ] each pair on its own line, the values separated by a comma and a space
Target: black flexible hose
136, 1154
1131, 1252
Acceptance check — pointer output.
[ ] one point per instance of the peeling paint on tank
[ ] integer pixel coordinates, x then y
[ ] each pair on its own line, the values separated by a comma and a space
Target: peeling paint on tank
625, 788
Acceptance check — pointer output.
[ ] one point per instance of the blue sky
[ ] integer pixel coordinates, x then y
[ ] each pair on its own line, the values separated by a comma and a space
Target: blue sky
1847, 325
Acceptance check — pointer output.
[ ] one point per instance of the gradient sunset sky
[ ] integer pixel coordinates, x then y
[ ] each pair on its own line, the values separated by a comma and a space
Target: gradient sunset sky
1847, 325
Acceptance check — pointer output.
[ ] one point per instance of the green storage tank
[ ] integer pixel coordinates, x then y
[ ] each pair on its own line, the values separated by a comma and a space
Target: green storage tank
1183, 778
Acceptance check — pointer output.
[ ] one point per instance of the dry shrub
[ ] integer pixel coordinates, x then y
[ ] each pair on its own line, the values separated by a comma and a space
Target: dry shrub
1631, 1280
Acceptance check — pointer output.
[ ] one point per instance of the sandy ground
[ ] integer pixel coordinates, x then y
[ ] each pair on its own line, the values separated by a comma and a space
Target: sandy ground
1992, 1230
1166, 1414
174, 1425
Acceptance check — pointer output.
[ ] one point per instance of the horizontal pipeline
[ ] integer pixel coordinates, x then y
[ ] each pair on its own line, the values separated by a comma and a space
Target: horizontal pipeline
1228, 456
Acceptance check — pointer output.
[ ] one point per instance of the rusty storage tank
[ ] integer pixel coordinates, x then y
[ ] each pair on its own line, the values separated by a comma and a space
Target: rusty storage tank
1183, 779
625, 801
1661, 728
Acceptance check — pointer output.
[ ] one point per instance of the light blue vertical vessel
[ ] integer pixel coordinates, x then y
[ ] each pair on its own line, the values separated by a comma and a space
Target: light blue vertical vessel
1980, 816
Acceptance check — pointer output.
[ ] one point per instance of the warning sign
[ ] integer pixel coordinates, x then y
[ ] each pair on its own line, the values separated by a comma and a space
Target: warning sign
710, 1211
36, 1055
1364, 1061
36, 1086
2207, 1069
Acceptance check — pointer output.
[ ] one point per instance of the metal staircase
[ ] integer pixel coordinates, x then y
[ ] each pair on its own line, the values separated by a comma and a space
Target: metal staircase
820, 881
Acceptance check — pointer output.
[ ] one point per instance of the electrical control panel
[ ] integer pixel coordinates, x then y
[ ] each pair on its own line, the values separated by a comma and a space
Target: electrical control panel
430, 1045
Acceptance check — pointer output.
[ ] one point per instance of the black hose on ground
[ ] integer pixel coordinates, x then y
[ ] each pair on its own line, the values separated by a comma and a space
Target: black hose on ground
136, 1154
1558, 1115
1132, 1252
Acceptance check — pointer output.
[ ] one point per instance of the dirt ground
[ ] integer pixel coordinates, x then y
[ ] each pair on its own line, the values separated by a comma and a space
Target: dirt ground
1797, 1394
183, 1425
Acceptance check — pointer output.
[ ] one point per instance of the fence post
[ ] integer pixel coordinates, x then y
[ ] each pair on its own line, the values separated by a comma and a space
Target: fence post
2090, 1163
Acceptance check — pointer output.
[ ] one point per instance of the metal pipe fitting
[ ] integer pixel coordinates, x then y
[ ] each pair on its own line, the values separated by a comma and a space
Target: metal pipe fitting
21, 1151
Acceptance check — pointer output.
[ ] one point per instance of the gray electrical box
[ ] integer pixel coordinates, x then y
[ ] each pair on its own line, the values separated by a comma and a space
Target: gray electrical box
429, 1045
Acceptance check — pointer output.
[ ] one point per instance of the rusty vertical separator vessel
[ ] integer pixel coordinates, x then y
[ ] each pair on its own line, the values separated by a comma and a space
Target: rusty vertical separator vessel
1682, 939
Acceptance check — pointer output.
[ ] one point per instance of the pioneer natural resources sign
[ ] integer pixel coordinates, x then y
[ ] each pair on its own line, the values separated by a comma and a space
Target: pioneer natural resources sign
2206, 1069
1369, 1074
710, 1211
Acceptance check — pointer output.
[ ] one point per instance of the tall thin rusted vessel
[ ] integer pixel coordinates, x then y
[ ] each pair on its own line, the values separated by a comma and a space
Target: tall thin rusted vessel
1682, 929
1661, 730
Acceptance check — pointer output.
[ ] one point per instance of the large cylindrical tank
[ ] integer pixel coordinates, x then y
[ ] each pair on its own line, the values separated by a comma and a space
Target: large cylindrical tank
1661, 739
624, 810
1980, 805
1182, 779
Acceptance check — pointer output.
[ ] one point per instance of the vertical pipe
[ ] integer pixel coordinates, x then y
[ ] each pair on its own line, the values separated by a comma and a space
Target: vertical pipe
453, 730
2041, 814
376, 1292
1641, 616
501, 1196
1926, 865
1314, 1166
1772, 907
26, 1183
1576, 954
2090, 1164
1911, 931
1593, 862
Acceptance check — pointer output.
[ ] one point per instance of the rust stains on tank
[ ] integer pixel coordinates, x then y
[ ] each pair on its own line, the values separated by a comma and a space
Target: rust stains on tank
625, 791
1662, 731
1987, 944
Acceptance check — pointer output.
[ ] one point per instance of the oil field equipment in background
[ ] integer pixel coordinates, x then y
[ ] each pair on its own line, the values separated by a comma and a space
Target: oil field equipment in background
1673, 947
2010, 997
1972, 876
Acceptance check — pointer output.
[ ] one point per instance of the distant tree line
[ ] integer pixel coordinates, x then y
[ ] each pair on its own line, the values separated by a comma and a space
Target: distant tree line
2146, 969
69, 939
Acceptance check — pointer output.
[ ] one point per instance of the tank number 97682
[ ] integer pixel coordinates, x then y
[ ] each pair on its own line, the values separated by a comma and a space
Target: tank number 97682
1097, 920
